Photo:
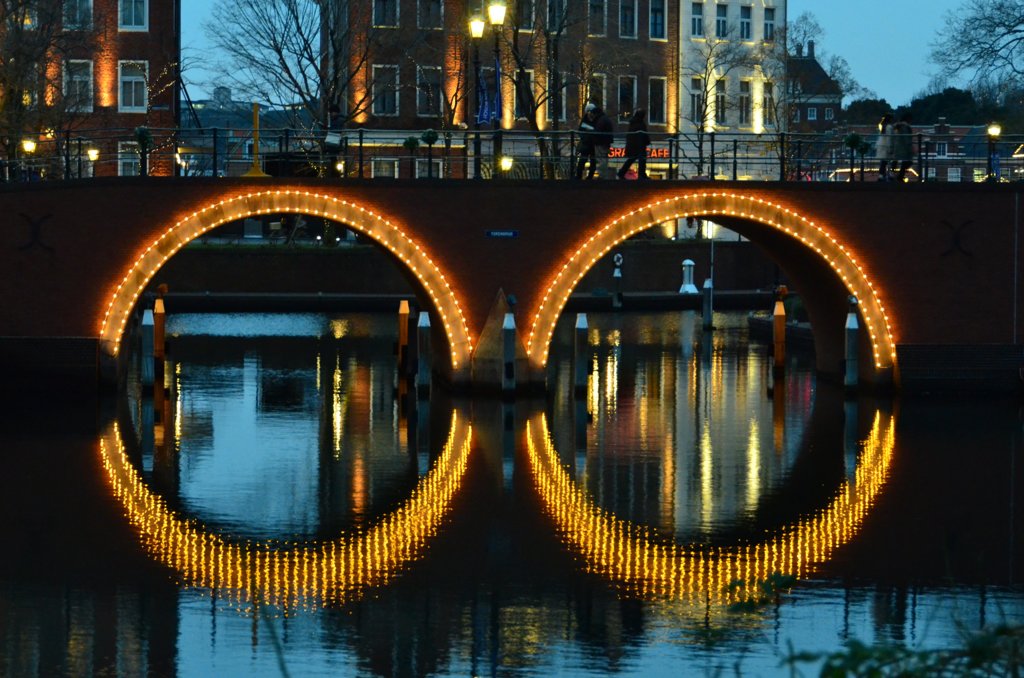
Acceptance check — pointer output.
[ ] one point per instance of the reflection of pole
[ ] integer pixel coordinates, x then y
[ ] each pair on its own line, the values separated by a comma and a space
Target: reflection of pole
580, 355
779, 338
850, 364
850, 441
423, 367
508, 374
617, 278
403, 338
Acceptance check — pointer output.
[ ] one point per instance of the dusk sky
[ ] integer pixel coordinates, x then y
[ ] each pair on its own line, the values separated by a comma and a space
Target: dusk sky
886, 42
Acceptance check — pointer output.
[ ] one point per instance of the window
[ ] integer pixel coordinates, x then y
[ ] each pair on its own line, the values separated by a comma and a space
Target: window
769, 24
561, 94
78, 86
385, 90
524, 95
721, 21
132, 78
595, 90
657, 27
133, 15
77, 14
953, 174
746, 12
941, 149
429, 13
769, 103
796, 115
627, 95
720, 102
830, 114
697, 20
931, 173
697, 101
386, 168
385, 13
598, 20
812, 113
428, 91
556, 15
656, 101
524, 15
746, 103
428, 168
128, 159
627, 18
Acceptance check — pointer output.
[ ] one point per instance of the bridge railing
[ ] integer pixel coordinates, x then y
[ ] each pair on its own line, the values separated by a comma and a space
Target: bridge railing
489, 154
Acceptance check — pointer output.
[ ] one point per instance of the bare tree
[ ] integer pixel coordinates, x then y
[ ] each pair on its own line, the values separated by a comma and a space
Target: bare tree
982, 41
308, 57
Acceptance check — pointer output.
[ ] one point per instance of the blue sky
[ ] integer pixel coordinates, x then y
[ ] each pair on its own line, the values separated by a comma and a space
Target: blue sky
886, 42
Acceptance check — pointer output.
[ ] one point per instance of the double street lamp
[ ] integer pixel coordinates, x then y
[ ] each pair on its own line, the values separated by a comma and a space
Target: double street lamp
496, 16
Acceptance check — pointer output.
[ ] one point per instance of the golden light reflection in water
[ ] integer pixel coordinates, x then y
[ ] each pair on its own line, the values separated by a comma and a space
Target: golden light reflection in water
649, 567
289, 575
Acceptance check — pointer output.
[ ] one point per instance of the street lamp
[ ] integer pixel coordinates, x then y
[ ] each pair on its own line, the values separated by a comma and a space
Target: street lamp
496, 15
28, 145
476, 32
994, 130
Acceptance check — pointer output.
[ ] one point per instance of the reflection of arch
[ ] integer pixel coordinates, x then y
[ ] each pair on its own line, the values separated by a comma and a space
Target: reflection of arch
724, 204
628, 554
288, 575
295, 202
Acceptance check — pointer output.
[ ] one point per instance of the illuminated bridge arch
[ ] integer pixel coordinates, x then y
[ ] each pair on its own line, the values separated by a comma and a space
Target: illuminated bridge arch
707, 205
380, 229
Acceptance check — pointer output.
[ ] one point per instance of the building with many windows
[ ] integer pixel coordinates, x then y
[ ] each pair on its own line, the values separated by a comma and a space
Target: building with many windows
110, 67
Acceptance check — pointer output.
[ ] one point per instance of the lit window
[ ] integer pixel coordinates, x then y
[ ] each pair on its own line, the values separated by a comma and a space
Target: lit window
627, 18
721, 21
78, 86
128, 159
595, 89
953, 174
657, 27
746, 12
597, 17
385, 13
132, 86
77, 14
697, 20
428, 91
386, 168
429, 13
133, 15
656, 101
428, 168
385, 90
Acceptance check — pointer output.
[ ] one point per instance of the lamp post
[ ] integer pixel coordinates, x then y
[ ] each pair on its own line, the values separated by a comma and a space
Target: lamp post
29, 147
476, 32
496, 15
994, 130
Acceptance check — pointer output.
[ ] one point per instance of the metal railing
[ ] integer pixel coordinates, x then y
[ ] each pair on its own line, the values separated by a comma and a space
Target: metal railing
485, 154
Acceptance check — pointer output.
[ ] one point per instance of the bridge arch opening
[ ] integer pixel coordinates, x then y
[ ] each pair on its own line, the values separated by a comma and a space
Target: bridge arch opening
750, 215
274, 202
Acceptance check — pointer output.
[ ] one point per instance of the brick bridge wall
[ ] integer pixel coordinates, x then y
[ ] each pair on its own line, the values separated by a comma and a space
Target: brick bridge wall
943, 258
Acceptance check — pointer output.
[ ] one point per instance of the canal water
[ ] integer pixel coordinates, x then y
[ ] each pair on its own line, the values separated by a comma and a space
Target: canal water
284, 507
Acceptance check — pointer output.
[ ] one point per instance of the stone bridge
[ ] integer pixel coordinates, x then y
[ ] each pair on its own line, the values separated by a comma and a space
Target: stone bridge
935, 266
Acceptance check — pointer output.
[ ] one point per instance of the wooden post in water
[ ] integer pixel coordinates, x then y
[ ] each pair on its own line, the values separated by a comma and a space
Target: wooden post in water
403, 339
779, 337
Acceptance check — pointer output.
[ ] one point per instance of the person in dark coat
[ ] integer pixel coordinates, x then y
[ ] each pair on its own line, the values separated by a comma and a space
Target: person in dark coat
603, 137
903, 146
586, 145
637, 141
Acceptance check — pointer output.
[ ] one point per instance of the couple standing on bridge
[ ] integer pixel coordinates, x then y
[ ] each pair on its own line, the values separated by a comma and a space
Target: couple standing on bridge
596, 138
895, 148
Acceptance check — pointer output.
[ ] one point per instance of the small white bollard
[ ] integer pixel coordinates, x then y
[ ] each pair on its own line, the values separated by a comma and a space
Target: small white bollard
688, 287
779, 337
423, 368
850, 366
580, 355
708, 309
147, 347
508, 337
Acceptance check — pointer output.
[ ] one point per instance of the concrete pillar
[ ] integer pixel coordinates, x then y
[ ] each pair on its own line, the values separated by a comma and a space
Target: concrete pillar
708, 308
617, 279
850, 366
147, 348
581, 355
688, 287
423, 357
508, 343
779, 337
